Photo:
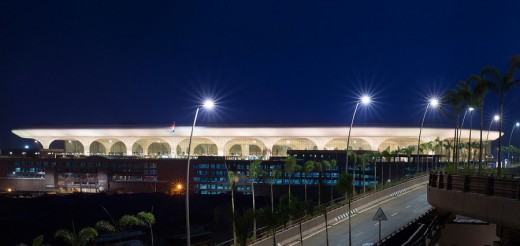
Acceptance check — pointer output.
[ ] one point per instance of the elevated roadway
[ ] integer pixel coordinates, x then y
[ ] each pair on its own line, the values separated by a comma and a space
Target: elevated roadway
401, 204
399, 210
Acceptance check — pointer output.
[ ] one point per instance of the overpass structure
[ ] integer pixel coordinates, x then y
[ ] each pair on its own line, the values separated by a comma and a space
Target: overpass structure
490, 199
362, 210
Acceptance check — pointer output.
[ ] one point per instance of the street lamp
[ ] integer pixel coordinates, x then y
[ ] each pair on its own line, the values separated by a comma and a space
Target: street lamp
365, 100
495, 118
433, 103
470, 125
208, 104
509, 148
460, 129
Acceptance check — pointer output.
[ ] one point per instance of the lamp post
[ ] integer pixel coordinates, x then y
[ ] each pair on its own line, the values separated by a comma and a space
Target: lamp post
495, 118
207, 104
470, 125
433, 103
365, 100
460, 131
509, 148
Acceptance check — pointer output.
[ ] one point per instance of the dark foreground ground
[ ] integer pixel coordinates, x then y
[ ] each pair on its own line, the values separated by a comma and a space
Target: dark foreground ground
22, 219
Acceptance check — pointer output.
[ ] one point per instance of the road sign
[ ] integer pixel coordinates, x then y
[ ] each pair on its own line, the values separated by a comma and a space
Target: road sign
380, 215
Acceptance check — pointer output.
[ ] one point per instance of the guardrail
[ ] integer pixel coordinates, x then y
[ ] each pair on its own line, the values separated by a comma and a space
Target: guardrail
490, 186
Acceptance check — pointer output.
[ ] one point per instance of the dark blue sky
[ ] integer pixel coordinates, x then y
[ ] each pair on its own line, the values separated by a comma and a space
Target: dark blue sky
275, 62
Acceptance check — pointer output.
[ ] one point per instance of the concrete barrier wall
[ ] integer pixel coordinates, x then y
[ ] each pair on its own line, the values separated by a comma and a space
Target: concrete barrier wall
501, 211
292, 233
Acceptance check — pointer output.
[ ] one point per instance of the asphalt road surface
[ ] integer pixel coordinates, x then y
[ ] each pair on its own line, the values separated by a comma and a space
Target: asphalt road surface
399, 211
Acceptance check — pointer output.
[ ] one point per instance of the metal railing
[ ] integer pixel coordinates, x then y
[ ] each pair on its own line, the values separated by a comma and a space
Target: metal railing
490, 186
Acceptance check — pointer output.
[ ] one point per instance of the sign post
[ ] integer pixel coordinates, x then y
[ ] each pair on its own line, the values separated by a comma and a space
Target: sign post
380, 215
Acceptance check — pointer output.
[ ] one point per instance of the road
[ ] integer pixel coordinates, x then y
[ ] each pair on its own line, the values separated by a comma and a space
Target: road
399, 211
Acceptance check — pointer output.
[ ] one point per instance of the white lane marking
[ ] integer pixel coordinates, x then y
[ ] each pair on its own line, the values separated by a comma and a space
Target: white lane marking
409, 206
376, 223
393, 214
358, 234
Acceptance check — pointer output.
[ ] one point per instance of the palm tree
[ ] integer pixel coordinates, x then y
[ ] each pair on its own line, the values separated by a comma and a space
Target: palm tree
38, 241
290, 167
387, 156
320, 167
447, 144
244, 223
408, 152
502, 84
479, 92
333, 165
272, 219
352, 155
428, 146
365, 158
271, 178
437, 143
233, 179
84, 237
309, 167
123, 224
254, 172
147, 219
454, 99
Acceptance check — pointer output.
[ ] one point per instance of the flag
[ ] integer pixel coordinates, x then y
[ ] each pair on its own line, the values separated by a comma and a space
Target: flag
172, 128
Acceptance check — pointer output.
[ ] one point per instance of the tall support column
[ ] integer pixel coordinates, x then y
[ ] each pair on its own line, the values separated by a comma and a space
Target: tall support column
245, 150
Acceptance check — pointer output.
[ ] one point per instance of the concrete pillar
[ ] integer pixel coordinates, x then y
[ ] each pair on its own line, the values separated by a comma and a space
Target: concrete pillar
45, 142
245, 150
129, 143
86, 145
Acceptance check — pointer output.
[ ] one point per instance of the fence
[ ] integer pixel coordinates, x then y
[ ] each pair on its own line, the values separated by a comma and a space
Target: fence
490, 186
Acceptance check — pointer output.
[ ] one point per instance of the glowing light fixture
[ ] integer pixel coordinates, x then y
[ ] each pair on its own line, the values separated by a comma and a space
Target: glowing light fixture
432, 103
208, 104
509, 148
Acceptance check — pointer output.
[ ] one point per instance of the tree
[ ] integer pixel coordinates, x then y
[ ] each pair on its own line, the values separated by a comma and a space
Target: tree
502, 84
454, 99
244, 223
320, 167
272, 218
254, 172
233, 179
147, 219
273, 174
309, 167
365, 158
352, 155
482, 86
38, 241
345, 186
290, 167
333, 166
428, 146
447, 144
387, 156
84, 237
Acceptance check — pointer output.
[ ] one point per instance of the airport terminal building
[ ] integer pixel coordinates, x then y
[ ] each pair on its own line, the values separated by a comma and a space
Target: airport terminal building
154, 159
241, 142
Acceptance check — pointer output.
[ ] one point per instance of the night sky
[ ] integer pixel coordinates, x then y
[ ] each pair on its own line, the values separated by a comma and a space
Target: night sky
87, 63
